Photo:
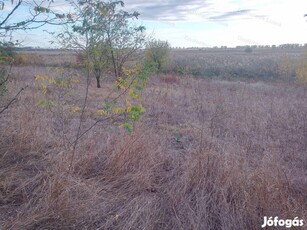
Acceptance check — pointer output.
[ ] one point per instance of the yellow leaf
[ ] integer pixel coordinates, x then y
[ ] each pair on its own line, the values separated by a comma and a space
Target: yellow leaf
52, 81
128, 103
38, 78
75, 81
133, 94
59, 70
75, 108
118, 110
142, 109
102, 112
44, 87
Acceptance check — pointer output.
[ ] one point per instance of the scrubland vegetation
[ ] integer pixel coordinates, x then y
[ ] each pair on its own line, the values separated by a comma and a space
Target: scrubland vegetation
207, 154
226, 64
117, 131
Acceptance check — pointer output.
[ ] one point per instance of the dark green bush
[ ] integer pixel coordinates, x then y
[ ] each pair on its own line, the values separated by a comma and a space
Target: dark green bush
6, 58
248, 50
212, 72
3, 76
6, 52
157, 55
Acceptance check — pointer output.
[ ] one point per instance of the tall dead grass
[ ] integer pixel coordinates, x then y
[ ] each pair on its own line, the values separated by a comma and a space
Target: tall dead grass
207, 155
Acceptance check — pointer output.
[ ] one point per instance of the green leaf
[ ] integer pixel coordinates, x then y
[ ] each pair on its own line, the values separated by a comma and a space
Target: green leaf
127, 127
45, 103
136, 112
133, 94
109, 106
138, 87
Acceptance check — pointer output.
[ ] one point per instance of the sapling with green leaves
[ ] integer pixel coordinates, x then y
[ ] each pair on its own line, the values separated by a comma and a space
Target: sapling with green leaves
105, 35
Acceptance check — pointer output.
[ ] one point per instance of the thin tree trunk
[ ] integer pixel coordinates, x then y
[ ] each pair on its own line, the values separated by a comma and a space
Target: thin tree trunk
75, 143
114, 64
98, 81
98, 75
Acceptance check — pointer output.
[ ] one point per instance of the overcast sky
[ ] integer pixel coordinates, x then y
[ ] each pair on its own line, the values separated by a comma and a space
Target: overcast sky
211, 23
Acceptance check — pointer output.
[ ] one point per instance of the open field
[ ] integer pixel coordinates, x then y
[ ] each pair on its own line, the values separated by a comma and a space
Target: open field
259, 64
229, 64
207, 154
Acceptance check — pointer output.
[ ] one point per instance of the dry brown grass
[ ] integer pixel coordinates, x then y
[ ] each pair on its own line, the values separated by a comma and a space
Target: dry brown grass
46, 58
260, 64
207, 155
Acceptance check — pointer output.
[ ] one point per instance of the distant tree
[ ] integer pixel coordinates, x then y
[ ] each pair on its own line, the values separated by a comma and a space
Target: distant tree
110, 35
99, 58
248, 49
6, 57
157, 55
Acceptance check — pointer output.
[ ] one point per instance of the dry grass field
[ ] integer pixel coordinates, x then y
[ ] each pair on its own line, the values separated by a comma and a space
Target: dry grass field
207, 154
259, 64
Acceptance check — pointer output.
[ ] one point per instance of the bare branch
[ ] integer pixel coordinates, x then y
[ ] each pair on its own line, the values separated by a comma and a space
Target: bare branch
7, 76
13, 100
10, 14
34, 21
93, 125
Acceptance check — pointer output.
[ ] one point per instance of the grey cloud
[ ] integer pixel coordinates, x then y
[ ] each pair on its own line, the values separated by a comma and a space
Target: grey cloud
180, 10
230, 14
167, 9
173, 10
